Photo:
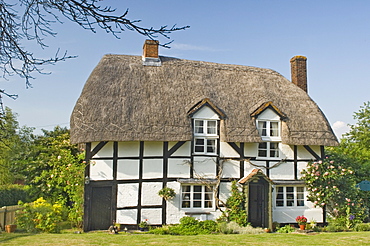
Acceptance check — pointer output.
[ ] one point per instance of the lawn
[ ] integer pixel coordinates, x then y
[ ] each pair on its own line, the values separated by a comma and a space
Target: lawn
103, 238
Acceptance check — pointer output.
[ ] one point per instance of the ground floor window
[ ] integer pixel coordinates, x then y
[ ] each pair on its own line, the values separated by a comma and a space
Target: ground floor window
289, 196
197, 196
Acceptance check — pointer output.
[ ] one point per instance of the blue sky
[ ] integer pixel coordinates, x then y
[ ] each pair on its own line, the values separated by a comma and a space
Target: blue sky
334, 35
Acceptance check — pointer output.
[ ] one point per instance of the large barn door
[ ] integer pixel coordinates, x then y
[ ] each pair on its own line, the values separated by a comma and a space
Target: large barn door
101, 211
258, 203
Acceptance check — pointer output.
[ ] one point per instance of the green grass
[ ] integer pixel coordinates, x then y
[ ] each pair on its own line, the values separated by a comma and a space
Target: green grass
103, 238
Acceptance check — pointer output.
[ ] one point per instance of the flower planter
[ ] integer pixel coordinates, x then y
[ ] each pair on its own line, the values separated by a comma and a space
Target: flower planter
10, 228
302, 227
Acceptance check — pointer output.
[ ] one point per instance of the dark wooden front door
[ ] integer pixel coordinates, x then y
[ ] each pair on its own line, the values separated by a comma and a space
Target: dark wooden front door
258, 203
101, 208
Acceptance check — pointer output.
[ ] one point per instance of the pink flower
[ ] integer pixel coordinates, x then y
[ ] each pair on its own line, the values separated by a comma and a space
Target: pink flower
334, 187
331, 162
320, 162
348, 200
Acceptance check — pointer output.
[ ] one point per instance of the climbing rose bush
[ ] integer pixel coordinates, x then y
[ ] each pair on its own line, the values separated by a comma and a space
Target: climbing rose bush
331, 185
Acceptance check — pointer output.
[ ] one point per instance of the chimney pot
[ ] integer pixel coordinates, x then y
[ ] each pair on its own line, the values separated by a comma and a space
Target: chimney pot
298, 66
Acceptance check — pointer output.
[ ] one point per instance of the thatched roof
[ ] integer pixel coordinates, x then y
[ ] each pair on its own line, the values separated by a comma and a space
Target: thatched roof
123, 100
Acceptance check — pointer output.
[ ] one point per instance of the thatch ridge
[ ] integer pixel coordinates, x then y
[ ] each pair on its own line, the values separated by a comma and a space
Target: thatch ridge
123, 100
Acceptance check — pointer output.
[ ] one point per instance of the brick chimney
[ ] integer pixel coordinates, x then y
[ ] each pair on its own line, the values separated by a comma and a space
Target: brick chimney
150, 53
299, 71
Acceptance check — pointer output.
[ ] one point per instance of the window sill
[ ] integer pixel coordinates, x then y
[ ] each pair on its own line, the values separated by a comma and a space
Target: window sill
197, 213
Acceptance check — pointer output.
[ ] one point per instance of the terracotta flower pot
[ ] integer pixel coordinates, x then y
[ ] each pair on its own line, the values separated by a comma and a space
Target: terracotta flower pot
10, 228
302, 227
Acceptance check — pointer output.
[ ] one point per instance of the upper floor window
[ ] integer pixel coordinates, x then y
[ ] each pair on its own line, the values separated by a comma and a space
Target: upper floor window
205, 136
289, 196
197, 196
268, 130
268, 149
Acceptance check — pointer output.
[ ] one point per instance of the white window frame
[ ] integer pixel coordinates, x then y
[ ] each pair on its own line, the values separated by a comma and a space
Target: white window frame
191, 198
268, 150
268, 136
294, 197
202, 133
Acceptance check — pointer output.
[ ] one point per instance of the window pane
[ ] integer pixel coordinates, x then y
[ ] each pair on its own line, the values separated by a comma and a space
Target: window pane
211, 127
208, 204
280, 197
197, 188
197, 204
300, 196
274, 153
199, 145
198, 126
197, 196
262, 145
274, 129
262, 153
186, 188
262, 128
290, 196
185, 204
262, 149
208, 196
211, 146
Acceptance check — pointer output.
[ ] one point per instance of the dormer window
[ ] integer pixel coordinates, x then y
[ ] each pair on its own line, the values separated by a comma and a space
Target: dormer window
205, 120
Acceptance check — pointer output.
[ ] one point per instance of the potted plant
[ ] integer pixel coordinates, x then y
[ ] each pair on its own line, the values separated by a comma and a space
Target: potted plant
10, 228
302, 221
167, 193
143, 225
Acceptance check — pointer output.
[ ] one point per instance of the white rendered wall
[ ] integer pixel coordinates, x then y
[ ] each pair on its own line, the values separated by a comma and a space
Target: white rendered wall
101, 170
268, 114
127, 169
152, 168
127, 195
127, 216
205, 167
179, 168
149, 194
206, 113
128, 149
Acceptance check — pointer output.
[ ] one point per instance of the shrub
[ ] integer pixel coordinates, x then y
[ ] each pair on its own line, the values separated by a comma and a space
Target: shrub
40, 216
11, 194
286, 229
362, 227
234, 228
188, 226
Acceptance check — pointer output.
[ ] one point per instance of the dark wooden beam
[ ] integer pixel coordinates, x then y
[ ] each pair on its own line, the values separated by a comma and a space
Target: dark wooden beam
313, 153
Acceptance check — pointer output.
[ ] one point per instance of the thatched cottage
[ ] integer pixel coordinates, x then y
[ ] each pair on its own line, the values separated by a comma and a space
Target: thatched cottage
151, 122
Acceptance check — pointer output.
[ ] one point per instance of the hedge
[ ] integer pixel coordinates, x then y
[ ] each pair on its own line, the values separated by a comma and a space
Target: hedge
11, 194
